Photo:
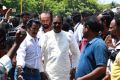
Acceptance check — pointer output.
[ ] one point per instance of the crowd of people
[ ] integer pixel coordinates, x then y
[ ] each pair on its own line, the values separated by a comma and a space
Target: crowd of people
82, 46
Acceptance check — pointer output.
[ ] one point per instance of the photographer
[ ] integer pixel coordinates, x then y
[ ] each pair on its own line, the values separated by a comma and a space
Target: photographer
113, 42
5, 61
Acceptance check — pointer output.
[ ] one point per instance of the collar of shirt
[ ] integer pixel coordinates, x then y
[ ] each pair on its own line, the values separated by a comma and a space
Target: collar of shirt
57, 33
29, 37
41, 30
76, 26
94, 39
117, 45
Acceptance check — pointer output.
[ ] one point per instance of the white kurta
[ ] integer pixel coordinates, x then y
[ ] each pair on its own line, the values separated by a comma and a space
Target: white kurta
55, 48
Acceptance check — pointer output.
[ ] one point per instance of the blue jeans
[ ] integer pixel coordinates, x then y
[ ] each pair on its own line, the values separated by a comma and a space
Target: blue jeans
27, 75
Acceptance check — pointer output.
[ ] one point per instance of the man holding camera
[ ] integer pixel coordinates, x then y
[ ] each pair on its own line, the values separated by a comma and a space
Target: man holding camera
113, 43
5, 61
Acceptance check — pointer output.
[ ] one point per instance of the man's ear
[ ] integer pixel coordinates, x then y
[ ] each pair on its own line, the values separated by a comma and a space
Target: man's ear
28, 29
87, 27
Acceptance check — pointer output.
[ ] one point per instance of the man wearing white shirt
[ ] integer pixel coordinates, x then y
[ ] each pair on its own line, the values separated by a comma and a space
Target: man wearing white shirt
78, 27
55, 48
29, 61
78, 32
45, 19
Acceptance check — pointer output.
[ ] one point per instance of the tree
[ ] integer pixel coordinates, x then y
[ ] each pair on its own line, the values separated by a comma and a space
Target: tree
28, 5
64, 7
55, 6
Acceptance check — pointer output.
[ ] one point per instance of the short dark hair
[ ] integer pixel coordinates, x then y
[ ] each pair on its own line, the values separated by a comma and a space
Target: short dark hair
25, 13
110, 12
108, 15
76, 16
93, 24
66, 26
86, 13
30, 22
117, 20
16, 20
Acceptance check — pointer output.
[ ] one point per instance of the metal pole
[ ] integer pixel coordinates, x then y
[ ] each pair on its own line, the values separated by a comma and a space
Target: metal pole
20, 6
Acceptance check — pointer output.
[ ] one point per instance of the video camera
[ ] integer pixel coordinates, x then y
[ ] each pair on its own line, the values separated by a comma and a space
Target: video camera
10, 36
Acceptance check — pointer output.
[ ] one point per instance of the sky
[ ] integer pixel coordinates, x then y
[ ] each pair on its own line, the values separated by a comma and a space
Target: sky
108, 1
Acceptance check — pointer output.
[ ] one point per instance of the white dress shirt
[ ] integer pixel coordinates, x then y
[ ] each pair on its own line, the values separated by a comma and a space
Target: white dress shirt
56, 47
78, 32
29, 53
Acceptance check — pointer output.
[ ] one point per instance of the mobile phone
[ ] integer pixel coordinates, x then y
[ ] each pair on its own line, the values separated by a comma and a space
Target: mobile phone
13, 10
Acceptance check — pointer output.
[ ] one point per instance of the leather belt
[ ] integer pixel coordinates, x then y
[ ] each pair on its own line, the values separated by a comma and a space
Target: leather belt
31, 70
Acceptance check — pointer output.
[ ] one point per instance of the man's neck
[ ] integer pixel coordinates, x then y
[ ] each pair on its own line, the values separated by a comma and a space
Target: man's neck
92, 36
46, 30
24, 23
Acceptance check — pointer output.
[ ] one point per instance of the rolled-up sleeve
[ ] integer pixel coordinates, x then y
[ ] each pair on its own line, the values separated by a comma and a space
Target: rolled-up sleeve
21, 53
5, 64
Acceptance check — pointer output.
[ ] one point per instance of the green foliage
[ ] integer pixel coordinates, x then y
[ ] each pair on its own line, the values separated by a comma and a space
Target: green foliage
31, 5
90, 5
64, 7
55, 6
28, 5
12, 4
